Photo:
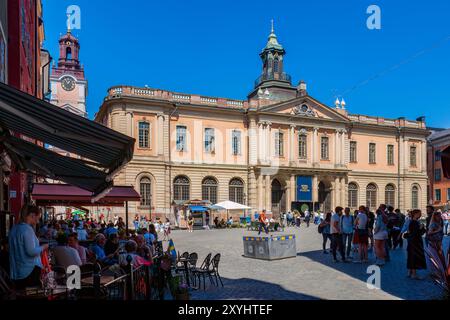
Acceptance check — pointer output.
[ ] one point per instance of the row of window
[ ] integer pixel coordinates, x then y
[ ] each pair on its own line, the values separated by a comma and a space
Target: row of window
389, 155
182, 189
438, 195
372, 196
209, 145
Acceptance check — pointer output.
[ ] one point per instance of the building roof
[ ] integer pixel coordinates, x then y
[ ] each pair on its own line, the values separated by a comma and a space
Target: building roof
435, 135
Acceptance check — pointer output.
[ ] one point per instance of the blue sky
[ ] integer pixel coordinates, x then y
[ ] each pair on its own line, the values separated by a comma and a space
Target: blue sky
211, 48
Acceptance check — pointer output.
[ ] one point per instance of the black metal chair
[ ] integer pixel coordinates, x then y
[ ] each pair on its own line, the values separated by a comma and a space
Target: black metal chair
192, 265
214, 271
204, 271
179, 265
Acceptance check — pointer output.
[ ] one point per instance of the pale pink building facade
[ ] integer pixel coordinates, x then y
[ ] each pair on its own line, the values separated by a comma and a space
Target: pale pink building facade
279, 150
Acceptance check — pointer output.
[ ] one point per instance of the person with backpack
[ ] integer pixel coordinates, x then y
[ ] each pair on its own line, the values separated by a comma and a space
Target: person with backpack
324, 229
347, 225
362, 229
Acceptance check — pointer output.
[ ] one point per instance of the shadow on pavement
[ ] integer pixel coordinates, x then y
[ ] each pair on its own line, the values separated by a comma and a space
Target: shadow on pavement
247, 289
393, 274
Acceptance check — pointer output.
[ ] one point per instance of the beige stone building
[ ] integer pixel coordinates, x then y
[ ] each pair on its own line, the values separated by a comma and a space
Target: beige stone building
280, 149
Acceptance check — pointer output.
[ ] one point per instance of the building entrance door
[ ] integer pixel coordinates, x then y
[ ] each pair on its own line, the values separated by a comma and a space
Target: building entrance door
278, 199
324, 198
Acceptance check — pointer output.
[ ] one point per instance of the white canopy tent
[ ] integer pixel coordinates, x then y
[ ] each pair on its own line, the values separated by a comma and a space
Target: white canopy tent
229, 205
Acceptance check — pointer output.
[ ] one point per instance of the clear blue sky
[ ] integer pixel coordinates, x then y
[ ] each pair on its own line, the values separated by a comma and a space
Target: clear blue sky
211, 48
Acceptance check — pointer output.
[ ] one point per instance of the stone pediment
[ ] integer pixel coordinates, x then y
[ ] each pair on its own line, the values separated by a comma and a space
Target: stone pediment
305, 107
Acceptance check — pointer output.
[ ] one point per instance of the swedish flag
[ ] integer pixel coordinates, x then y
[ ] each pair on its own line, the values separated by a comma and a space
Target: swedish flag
172, 250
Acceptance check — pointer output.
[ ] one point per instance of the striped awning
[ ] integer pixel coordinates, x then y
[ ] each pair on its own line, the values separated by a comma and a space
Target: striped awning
40, 120
104, 151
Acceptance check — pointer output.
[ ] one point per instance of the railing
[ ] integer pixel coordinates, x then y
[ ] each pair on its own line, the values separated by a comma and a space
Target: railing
275, 76
126, 91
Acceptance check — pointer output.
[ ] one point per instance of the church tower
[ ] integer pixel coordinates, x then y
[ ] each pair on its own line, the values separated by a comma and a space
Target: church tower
273, 83
69, 86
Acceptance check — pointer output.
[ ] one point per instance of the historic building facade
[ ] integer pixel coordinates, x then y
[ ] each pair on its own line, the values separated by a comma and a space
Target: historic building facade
439, 185
279, 150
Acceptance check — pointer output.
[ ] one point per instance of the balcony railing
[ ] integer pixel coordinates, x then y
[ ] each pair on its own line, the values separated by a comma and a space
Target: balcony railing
275, 76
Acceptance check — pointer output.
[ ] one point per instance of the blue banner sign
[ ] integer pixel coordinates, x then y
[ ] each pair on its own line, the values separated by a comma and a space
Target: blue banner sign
304, 188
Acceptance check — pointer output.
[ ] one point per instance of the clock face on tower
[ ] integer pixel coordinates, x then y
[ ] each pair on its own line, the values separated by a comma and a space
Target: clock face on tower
68, 83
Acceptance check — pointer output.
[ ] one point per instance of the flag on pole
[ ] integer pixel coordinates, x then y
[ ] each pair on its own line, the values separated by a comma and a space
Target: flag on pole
172, 250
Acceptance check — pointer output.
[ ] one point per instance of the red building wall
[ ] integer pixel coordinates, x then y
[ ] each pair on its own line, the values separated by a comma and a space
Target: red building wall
23, 57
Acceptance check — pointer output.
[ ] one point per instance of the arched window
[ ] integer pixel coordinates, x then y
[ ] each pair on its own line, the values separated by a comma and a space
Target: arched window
371, 196
415, 197
302, 146
277, 191
236, 191
209, 189
276, 67
69, 53
181, 186
390, 195
145, 187
352, 195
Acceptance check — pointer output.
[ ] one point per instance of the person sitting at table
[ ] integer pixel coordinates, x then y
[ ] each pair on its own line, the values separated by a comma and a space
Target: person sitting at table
64, 255
130, 250
110, 229
222, 224
112, 244
143, 250
98, 250
72, 241
230, 222
82, 233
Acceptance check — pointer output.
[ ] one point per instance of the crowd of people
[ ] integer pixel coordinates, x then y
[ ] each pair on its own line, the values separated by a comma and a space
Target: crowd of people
77, 241
353, 235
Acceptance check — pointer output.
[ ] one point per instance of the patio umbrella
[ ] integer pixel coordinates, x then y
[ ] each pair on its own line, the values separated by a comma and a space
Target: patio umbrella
229, 205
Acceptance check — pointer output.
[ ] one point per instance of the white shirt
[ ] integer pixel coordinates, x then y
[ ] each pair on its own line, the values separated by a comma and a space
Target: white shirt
362, 221
66, 256
334, 218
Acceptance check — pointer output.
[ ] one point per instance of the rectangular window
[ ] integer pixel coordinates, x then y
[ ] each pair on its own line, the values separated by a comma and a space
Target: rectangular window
302, 146
324, 150
181, 138
413, 156
353, 150
372, 153
437, 194
437, 155
236, 142
279, 144
209, 140
144, 135
448, 194
437, 175
390, 154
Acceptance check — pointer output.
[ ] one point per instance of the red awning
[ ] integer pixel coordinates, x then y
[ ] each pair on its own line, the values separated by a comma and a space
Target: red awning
64, 194
445, 158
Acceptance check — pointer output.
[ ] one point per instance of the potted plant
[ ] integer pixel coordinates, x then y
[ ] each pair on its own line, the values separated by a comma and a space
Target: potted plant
179, 289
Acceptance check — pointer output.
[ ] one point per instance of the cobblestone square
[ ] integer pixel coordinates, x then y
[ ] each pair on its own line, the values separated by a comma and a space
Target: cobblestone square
311, 275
